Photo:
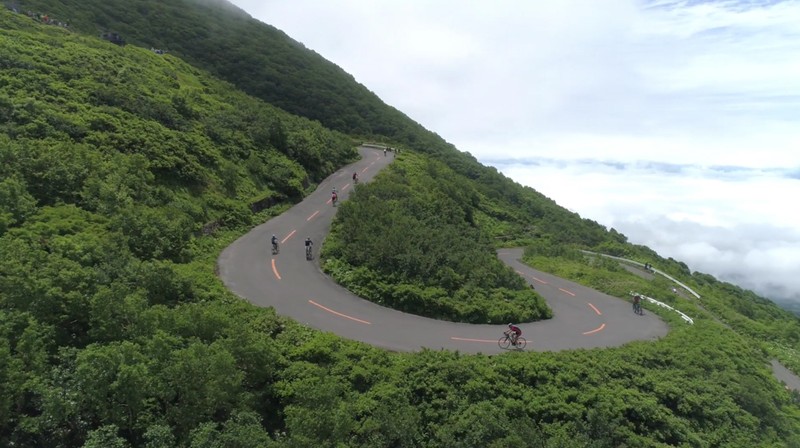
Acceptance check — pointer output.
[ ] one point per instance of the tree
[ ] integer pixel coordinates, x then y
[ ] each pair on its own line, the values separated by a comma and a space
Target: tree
105, 437
16, 204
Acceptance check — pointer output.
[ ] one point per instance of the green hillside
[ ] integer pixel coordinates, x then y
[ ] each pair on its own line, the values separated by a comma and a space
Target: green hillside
260, 59
417, 240
124, 173
264, 62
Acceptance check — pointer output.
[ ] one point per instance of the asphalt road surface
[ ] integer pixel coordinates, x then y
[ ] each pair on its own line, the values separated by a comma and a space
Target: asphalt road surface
296, 287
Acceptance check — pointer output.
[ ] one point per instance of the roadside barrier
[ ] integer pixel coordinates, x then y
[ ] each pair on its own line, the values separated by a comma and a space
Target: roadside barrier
664, 305
655, 271
374, 145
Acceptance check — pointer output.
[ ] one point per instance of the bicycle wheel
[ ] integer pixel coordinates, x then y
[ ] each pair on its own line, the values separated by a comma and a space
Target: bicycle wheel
521, 343
504, 342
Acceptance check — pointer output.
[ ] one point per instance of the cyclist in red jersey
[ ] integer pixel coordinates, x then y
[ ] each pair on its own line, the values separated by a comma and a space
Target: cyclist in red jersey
517, 332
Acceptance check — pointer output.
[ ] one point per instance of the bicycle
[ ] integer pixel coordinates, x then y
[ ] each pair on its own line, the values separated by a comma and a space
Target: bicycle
275, 249
309, 255
505, 342
334, 199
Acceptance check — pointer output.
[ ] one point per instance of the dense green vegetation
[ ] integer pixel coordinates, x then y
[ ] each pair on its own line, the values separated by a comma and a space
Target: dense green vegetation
260, 59
411, 240
111, 129
124, 173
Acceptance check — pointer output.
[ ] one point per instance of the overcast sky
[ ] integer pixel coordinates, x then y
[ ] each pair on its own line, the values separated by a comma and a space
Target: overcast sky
675, 122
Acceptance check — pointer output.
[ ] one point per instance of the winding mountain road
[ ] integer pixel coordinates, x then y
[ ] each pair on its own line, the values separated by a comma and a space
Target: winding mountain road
296, 287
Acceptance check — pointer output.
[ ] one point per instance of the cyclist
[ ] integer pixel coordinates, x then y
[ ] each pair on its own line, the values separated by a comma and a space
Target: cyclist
274, 243
637, 304
334, 197
355, 178
514, 332
309, 244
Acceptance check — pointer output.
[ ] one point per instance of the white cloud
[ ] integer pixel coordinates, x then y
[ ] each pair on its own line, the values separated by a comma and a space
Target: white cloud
739, 226
711, 81
649, 85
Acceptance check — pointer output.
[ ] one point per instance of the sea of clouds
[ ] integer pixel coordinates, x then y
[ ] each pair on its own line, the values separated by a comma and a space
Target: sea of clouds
739, 225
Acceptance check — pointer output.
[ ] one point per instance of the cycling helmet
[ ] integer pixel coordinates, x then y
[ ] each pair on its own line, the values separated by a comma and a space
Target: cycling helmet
509, 325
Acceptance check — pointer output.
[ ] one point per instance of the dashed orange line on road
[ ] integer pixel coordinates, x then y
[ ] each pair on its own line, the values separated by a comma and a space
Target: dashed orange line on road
365, 169
338, 313
345, 187
595, 309
275, 269
596, 329
288, 236
312, 215
567, 292
471, 340
536, 279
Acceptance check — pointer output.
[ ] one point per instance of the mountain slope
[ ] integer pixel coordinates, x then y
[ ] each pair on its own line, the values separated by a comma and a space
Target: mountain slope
265, 63
260, 59
114, 330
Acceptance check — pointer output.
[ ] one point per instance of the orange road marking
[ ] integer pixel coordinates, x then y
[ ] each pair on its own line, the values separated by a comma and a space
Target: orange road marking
568, 292
345, 187
470, 340
338, 313
365, 169
596, 329
275, 269
538, 280
595, 309
312, 215
288, 236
